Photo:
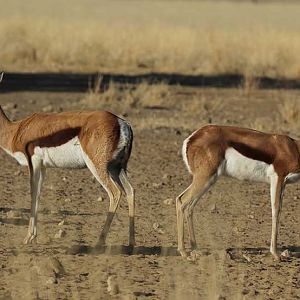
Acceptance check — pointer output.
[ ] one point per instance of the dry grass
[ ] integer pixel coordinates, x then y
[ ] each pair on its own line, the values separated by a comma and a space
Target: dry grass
142, 95
290, 112
265, 124
204, 108
250, 84
164, 36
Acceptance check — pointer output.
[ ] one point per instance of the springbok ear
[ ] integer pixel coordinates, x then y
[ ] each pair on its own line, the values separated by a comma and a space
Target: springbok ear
1, 76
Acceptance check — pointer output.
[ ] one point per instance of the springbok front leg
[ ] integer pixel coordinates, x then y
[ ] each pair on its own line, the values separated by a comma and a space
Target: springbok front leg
37, 175
277, 189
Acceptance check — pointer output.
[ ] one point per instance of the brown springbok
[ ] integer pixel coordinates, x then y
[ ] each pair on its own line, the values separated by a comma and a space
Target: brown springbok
97, 140
241, 153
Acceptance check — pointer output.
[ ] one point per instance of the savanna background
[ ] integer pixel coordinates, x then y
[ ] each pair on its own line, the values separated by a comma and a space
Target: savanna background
255, 40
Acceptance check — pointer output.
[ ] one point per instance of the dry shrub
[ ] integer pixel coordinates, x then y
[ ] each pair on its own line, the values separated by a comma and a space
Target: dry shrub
250, 84
212, 107
290, 112
204, 109
265, 124
143, 95
94, 97
150, 95
200, 103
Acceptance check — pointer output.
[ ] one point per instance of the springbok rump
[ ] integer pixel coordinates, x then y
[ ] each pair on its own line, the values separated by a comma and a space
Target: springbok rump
241, 153
97, 140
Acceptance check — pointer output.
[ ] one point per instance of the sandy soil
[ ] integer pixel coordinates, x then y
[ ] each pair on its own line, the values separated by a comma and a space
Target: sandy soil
232, 222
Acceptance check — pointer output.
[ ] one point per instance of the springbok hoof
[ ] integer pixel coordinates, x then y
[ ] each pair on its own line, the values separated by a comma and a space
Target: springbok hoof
195, 254
183, 253
276, 257
286, 254
29, 239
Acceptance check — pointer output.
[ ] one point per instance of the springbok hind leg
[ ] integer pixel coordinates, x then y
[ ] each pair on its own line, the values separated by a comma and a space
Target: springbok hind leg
129, 191
185, 204
180, 220
113, 190
114, 194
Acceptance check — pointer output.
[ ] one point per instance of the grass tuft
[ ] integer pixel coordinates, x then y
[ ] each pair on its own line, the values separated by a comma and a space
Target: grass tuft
143, 95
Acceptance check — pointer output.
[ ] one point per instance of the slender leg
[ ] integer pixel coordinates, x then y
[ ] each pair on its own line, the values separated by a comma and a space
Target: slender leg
131, 205
180, 222
182, 202
184, 206
190, 222
190, 211
37, 175
114, 198
113, 189
277, 188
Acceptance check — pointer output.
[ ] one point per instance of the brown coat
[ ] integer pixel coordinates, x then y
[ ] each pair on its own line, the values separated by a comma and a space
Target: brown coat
53, 129
279, 150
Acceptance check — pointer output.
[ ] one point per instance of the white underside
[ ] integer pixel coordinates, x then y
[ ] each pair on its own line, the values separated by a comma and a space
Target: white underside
18, 156
241, 167
67, 156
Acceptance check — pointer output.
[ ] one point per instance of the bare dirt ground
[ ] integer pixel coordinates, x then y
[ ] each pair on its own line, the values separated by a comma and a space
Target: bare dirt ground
232, 221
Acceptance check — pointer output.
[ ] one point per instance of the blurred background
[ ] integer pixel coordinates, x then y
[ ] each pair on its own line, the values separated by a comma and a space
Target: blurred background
257, 38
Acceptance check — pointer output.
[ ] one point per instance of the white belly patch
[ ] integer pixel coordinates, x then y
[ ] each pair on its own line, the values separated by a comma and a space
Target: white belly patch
68, 155
244, 168
19, 157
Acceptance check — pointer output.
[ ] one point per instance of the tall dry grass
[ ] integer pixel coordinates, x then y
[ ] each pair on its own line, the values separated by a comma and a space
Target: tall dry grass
163, 36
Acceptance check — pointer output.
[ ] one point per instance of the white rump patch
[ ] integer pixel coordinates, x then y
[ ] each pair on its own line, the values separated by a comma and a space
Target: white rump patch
68, 155
125, 136
184, 153
244, 168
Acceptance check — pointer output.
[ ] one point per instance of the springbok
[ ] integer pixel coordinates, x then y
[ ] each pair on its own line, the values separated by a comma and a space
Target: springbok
97, 140
241, 153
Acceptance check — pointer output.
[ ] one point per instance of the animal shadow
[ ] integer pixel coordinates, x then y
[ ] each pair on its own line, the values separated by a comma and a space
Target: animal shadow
123, 250
15, 216
242, 254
